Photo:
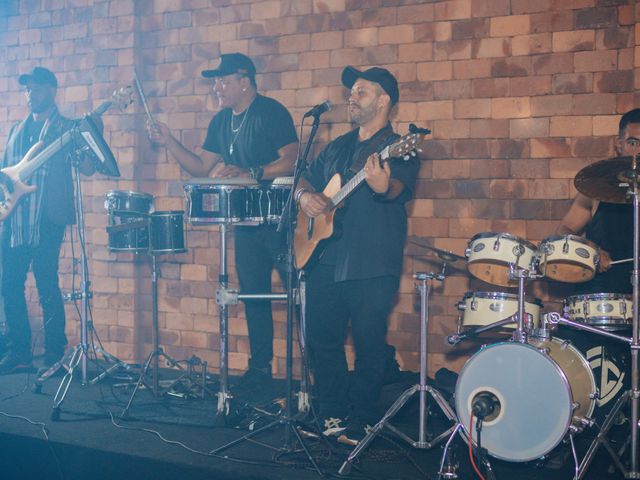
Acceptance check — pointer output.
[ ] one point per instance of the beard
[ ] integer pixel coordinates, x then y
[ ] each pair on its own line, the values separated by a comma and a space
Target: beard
362, 115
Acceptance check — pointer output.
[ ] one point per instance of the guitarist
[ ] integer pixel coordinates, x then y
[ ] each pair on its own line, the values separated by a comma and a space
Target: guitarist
357, 276
33, 234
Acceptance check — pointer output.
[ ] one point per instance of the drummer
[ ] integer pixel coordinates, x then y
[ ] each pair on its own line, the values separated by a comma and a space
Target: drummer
251, 137
608, 225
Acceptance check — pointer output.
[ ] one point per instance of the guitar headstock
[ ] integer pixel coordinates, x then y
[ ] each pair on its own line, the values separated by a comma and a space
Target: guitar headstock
406, 146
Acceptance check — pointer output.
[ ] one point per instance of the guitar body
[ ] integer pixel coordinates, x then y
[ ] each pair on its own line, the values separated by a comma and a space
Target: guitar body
311, 231
11, 175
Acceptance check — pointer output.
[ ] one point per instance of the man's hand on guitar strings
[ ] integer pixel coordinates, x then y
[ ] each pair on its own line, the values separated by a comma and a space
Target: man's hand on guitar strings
313, 204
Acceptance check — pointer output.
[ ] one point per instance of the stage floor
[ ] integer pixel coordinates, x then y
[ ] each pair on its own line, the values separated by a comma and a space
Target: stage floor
170, 437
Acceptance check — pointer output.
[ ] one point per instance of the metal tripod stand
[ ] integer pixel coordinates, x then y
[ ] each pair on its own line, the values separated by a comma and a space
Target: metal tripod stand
422, 388
153, 360
79, 355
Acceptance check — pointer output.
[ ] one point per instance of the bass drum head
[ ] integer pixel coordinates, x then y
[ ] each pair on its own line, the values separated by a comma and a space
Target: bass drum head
534, 401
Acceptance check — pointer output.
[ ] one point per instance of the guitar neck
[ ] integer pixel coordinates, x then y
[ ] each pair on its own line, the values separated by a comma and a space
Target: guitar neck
50, 150
352, 184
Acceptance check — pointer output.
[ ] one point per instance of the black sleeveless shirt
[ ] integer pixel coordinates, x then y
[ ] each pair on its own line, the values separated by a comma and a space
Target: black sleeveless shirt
611, 228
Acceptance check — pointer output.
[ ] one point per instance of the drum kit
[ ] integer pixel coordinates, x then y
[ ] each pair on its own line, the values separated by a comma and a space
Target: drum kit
534, 391
135, 227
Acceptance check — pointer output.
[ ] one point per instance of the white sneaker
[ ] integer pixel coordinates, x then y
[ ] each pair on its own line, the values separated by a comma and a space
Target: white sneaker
333, 426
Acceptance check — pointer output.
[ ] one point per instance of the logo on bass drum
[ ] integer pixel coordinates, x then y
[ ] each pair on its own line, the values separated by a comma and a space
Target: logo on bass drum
611, 378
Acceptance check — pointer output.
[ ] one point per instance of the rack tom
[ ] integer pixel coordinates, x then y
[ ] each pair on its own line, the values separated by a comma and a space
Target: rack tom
568, 258
491, 256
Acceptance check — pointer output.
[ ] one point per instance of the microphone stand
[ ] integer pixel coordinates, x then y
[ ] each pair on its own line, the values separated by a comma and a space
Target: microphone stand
288, 218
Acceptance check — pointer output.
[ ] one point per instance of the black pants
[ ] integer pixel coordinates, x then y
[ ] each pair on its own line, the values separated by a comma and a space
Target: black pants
43, 259
330, 306
256, 251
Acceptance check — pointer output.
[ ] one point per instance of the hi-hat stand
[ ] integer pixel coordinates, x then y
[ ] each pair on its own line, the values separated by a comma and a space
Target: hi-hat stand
422, 388
80, 354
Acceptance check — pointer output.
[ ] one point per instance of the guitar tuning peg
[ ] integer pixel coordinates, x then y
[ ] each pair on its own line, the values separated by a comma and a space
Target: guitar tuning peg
406, 157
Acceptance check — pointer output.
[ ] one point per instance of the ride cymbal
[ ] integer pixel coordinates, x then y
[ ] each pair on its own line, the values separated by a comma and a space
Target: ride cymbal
607, 180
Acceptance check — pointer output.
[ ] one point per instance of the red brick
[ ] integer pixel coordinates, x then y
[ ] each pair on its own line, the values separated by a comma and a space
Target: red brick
482, 8
489, 87
599, 147
550, 147
506, 148
502, 188
472, 108
551, 105
450, 169
572, 83
476, 68
452, 89
396, 34
617, 81
550, 189
551, 21
512, 107
530, 44
469, 29
594, 104
489, 128
471, 148
491, 47
511, 67
435, 110
573, 41
600, 17
435, 71
415, 13
572, 126
415, 52
509, 26
529, 127
416, 92
452, 9
453, 50
595, 61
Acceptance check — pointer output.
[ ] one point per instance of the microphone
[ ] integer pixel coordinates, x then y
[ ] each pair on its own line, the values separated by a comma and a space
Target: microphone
319, 109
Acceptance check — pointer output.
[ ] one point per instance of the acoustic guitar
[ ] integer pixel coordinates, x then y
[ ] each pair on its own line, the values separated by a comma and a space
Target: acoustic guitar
311, 231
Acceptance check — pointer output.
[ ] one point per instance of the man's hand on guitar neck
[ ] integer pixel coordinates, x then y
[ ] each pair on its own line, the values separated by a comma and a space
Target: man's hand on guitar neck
376, 175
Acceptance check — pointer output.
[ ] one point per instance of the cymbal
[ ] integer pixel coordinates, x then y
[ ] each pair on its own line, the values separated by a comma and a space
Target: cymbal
444, 255
607, 180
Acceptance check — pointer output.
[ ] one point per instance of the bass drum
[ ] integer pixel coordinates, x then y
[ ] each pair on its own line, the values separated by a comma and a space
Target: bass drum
539, 389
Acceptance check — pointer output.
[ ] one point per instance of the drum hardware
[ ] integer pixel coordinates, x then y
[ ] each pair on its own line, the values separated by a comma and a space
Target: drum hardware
444, 255
422, 388
286, 419
480, 308
153, 360
615, 180
474, 332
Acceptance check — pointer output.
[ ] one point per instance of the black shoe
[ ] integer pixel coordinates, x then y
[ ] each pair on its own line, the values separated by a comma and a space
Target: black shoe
256, 382
14, 362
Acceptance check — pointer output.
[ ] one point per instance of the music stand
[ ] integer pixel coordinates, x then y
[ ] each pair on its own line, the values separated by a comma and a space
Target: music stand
90, 145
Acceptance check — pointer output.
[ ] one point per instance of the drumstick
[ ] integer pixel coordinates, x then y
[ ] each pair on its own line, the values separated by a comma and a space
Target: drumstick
143, 98
622, 261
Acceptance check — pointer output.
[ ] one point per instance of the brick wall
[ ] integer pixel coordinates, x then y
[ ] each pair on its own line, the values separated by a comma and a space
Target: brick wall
520, 95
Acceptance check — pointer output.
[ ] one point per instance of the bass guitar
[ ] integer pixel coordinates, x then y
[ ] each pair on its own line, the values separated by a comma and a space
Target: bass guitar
311, 231
13, 179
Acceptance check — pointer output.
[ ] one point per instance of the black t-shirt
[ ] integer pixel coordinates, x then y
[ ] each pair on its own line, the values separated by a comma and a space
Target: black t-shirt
261, 130
369, 241
611, 228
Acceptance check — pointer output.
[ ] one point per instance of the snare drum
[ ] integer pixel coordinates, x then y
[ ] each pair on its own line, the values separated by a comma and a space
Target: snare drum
221, 200
482, 308
540, 390
609, 311
491, 255
122, 201
167, 232
568, 258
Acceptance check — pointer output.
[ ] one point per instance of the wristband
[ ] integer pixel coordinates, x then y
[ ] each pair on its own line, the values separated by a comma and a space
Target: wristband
299, 193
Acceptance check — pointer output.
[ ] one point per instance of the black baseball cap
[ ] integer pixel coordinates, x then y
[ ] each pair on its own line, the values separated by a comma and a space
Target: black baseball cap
39, 75
381, 76
232, 63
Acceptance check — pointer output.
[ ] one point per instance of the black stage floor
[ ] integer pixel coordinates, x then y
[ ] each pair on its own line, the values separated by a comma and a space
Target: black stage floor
170, 437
